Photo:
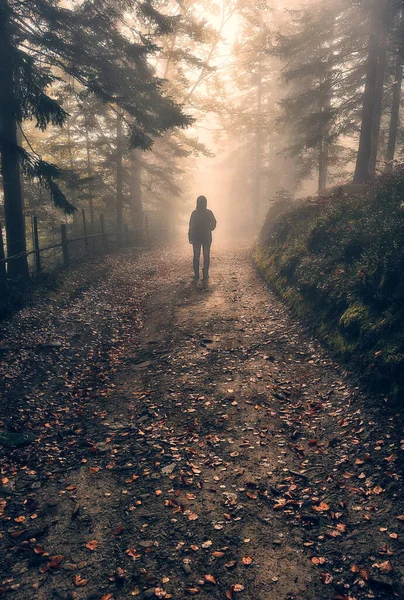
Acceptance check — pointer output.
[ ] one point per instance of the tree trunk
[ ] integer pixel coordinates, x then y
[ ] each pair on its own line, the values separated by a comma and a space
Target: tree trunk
258, 147
379, 92
324, 143
323, 164
362, 170
395, 112
89, 170
136, 204
377, 117
10, 168
119, 177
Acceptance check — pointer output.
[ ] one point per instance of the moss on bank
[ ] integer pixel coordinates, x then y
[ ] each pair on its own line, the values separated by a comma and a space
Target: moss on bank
339, 263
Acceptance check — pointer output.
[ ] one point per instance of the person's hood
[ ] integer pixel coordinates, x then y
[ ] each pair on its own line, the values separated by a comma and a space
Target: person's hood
201, 202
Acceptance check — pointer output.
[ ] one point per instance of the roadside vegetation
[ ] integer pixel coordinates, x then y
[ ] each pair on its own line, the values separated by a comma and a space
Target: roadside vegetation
338, 261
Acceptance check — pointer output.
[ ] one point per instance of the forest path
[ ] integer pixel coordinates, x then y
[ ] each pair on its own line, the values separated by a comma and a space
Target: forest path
216, 452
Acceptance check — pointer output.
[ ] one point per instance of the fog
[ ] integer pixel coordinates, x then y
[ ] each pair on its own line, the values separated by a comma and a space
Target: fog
168, 427
248, 103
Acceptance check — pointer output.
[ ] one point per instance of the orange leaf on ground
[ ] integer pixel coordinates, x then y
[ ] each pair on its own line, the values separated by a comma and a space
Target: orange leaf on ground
322, 507
247, 561
233, 589
210, 579
384, 567
91, 545
79, 581
318, 560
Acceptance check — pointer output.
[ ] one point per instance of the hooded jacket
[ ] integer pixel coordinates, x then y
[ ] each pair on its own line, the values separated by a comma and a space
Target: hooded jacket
201, 225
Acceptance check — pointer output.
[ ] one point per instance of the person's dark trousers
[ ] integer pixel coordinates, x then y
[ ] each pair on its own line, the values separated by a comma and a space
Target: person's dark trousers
206, 258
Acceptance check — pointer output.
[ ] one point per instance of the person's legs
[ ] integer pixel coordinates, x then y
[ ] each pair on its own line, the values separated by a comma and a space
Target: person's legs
197, 254
206, 260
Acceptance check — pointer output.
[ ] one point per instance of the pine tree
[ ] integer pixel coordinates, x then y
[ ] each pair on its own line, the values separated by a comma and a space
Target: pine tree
380, 11
314, 109
87, 44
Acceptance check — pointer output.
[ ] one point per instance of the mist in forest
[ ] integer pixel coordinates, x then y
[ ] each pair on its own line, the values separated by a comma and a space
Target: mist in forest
252, 104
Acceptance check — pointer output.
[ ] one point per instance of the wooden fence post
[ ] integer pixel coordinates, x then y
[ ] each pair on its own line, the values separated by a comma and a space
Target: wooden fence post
36, 244
83, 212
104, 237
65, 249
2, 256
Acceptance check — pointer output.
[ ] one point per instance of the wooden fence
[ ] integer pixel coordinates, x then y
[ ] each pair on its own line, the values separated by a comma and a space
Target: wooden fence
76, 239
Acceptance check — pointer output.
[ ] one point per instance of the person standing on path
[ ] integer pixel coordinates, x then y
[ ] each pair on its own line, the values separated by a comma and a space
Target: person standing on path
201, 225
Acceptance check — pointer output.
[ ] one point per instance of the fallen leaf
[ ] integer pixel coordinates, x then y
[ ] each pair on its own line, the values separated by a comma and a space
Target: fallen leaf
251, 495
119, 530
210, 579
79, 581
247, 560
235, 588
91, 545
318, 560
20, 519
326, 578
384, 567
322, 507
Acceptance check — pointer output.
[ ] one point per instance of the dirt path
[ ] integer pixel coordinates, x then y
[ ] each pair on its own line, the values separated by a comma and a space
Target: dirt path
194, 443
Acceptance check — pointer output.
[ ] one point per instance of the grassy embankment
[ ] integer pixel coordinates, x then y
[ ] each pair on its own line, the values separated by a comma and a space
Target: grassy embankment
338, 261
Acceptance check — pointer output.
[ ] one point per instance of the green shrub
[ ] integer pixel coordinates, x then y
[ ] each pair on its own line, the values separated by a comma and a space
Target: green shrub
339, 262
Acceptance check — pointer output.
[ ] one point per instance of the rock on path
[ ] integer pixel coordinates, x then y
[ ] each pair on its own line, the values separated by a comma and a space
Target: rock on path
190, 442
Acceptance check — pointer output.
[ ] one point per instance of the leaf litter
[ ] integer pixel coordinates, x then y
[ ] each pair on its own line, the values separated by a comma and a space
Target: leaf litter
153, 482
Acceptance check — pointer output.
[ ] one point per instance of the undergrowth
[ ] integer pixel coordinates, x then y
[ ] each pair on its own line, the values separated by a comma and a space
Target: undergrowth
338, 261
